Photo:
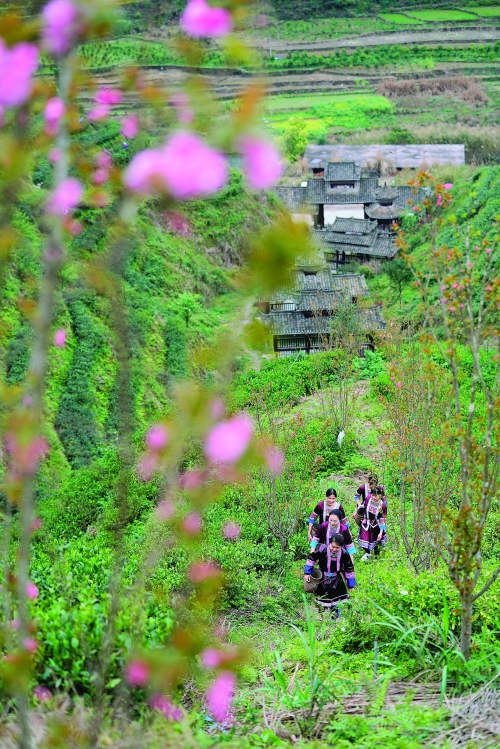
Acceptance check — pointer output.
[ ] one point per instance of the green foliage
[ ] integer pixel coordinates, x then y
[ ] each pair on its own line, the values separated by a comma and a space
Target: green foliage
295, 139
176, 362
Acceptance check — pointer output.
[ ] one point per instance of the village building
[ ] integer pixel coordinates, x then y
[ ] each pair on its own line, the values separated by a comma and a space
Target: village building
354, 240
386, 211
302, 318
385, 157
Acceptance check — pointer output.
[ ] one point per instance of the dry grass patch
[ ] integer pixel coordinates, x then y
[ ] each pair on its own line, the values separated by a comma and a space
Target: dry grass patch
467, 88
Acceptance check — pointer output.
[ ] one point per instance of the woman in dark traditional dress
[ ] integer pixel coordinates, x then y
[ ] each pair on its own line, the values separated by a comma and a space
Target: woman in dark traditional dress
335, 563
372, 523
323, 509
333, 525
365, 491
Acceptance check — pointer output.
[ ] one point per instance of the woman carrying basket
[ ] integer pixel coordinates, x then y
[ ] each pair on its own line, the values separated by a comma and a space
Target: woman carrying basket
323, 509
337, 569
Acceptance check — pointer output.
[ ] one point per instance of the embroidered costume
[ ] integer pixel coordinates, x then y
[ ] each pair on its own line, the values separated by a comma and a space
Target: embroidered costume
322, 511
373, 522
338, 575
325, 532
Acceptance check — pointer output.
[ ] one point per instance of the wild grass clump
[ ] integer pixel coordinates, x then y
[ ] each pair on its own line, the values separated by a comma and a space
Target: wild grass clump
467, 88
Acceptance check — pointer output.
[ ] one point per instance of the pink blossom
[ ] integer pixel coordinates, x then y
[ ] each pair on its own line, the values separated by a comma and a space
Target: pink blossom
53, 112
65, 197
488, 250
191, 480
220, 695
489, 288
165, 509
462, 306
469, 265
200, 19
15, 624
54, 155
439, 201
157, 437
26, 456
191, 168
130, 126
60, 338
17, 66
138, 673
100, 112
443, 301
476, 247
192, 523
100, 176
74, 227
186, 167
415, 208
104, 160
455, 286
60, 26
163, 703
212, 658
229, 440
231, 530
262, 162
2, 115
31, 591
35, 525
43, 694
443, 288
30, 644
200, 571
398, 384
147, 466
217, 408
451, 309
111, 96
275, 460
448, 185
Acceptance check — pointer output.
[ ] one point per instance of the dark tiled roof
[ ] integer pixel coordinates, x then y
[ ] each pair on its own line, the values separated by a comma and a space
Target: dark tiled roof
322, 279
352, 284
332, 237
358, 225
378, 211
384, 246
295, 323
386, 194
315, 301
292, 197
337, 171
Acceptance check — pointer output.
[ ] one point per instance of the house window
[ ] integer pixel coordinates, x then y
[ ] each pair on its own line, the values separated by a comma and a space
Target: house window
290, 342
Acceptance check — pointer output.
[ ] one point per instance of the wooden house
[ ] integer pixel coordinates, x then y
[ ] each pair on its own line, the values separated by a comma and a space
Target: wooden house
353, 239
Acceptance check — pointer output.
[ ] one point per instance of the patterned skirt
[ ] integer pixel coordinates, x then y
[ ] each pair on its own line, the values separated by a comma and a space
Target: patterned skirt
330, 590
368, 535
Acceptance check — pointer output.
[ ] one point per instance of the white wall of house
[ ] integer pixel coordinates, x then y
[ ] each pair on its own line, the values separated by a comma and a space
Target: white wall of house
343, 211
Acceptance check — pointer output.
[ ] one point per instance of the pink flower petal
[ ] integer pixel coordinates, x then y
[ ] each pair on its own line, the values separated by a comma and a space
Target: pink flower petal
138, 673
60, 338
53, 112
17, 66
231, 530
191, 168
157, 437
110, 96
130, 126
201, 571
60, 26
261, 161
192, 523
65, 197
275, 460
32, 591
43, 694
165, 509
448, 185
98, 113
164, 704
220, 696
200, 19
229, 440
212, 658
30, 644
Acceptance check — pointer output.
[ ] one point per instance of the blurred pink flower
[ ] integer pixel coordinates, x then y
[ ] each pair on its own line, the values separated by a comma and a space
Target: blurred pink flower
488, 250
165, 509
200, 571
15, 624
192, 523
35, 525
220, 696
60, 26
212, 658
231, 530
65, 197
164, 704
137, 673
147, 466
2, 115
157, 437
104, 160
398, 384
99, 112
200, 19
74, 227
439, 200
43, 694
186, 167
100, 176
229, 440
190, 480
53, 112
448, 185
60, 338
31, 591
17, 66
262, 162
191, 168
54, 155
275, 460
111, 96
26, 457
130, 126
217, 408
30, 644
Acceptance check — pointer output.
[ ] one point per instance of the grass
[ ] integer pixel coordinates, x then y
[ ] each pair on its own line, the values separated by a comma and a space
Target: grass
442, 15
324, 28
399, 18
494, 10
346, 111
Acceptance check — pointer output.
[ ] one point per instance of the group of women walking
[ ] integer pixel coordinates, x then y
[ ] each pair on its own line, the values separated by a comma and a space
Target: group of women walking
332, 547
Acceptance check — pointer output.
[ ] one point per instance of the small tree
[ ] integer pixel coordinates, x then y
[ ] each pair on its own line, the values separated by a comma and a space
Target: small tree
295, 139
399, 275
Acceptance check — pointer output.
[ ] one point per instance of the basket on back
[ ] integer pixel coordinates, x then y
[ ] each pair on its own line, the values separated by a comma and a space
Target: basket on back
316, 577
